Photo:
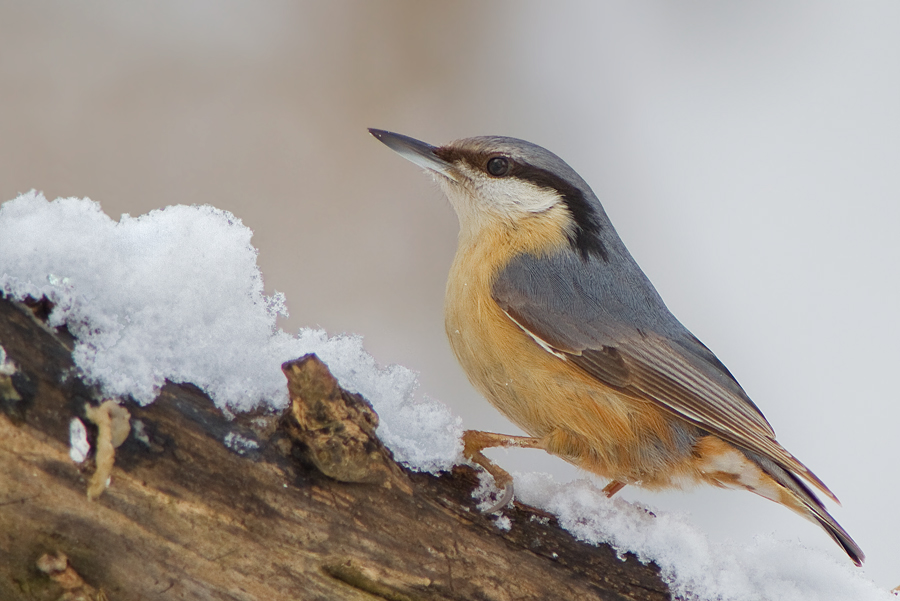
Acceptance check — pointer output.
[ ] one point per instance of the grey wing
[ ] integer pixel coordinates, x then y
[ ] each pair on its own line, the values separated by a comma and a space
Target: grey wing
610, 322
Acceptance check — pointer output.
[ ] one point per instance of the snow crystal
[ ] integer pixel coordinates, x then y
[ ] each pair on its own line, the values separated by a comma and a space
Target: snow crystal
79, 447
139, 431
7, 367
503, 523
240, 444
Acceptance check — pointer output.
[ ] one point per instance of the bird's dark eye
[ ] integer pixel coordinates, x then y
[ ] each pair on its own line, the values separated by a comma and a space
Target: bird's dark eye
498, 166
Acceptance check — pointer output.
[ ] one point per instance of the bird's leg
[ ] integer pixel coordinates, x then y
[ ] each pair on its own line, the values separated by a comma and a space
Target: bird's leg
612, 488
475, 441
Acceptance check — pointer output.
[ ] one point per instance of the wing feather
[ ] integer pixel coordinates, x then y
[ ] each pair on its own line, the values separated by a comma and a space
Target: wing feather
654, 359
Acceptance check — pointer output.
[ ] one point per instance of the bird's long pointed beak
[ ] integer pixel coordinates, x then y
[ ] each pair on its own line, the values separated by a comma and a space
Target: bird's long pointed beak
417, 152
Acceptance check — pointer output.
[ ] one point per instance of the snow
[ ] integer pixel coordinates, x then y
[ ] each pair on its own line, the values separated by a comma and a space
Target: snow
503, 523
239, 444
694, 567
7, 368
176, 294
79, 447
424, 435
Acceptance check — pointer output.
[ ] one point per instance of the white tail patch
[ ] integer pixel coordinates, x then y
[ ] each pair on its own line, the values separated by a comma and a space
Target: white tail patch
731, 469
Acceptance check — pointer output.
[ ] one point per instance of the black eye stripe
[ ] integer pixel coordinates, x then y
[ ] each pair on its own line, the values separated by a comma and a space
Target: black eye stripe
587, 236
587, 240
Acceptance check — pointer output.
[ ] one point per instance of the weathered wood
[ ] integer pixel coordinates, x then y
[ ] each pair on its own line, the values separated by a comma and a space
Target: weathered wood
187, 517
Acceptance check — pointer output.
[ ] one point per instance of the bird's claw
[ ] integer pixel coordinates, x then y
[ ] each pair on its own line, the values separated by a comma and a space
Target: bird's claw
505, 499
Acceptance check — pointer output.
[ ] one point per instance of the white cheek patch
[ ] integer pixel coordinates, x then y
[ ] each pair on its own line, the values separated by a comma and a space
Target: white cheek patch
512, 196
505, 196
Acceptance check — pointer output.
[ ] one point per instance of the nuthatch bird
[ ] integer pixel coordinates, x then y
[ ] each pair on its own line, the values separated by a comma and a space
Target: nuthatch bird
556, 325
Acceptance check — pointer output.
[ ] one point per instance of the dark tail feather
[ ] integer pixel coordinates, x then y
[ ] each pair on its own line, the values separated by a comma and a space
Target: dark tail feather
812, 509
824, 519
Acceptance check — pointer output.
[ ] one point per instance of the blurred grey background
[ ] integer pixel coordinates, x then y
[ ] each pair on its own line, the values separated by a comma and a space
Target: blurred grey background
748, 153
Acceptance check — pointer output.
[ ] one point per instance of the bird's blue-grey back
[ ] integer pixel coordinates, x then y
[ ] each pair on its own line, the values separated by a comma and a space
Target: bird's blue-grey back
590, 299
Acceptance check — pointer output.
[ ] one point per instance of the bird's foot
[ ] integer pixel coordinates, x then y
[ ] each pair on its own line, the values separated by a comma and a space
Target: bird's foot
475, 441
612, 488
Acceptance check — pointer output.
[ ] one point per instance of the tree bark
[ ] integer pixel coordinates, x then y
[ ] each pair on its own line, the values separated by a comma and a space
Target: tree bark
204, 507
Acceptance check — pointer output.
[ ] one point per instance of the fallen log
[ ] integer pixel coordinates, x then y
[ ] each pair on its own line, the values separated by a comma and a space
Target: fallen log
302, 505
